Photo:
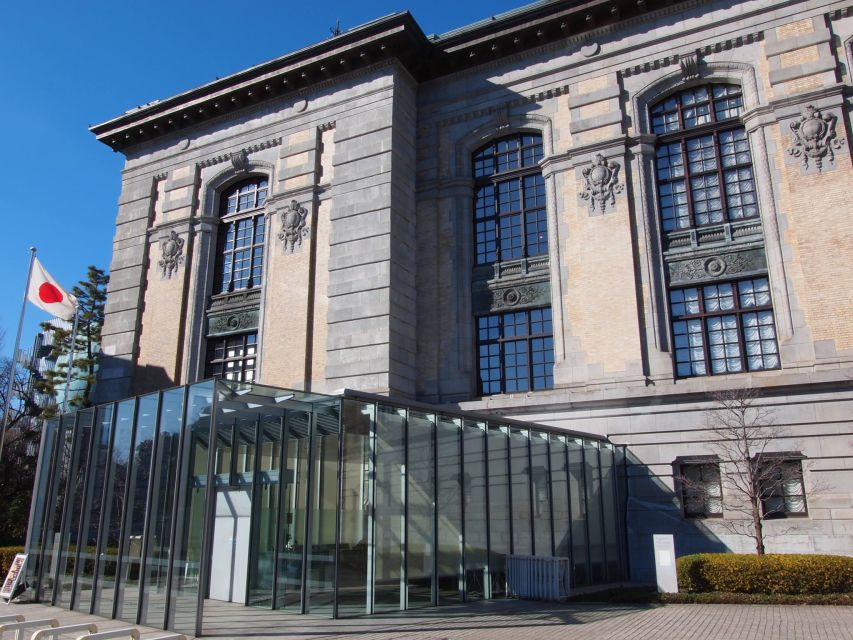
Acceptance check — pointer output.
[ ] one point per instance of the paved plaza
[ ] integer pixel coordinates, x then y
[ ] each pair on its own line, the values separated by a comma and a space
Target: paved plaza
513, 620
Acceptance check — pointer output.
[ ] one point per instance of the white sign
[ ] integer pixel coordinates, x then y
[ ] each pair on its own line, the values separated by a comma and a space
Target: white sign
14, 576
665, 563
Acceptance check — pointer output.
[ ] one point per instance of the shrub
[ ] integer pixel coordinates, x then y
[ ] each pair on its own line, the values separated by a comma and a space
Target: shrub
7, 554
772, 573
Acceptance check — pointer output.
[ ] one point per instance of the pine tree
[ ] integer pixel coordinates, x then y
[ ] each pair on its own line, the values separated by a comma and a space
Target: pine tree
91, 295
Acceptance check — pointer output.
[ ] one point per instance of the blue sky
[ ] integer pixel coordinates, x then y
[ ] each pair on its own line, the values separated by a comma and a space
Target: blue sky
67, 64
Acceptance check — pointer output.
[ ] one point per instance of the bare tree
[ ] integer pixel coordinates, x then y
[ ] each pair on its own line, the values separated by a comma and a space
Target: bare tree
758, 480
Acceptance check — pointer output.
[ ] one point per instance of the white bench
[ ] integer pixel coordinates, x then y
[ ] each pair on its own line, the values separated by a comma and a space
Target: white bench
18, 627
49, 634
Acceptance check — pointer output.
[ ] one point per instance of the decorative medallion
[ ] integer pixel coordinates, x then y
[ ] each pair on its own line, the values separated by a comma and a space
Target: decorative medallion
813, 137
601, 183
294, 226
233, 322
716, 266
172, 254
240, 160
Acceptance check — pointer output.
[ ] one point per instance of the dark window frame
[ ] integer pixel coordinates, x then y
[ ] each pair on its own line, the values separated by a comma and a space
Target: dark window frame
682, 135
242, 231
739, 311
692, 490
529, 236
502, 359
246, 360
790, 467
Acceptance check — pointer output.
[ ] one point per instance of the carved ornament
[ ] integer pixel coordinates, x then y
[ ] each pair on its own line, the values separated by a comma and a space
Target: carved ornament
813, 137
233, 322
240, 160
715, 267
601, 183
172, 254
689, 67
294, 225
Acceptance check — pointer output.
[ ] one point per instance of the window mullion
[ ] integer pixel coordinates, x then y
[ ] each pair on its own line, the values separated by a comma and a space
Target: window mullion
688, 187
718, 156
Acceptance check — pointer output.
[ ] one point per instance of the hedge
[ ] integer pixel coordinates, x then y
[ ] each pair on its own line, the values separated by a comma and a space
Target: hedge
7, 555
771, 574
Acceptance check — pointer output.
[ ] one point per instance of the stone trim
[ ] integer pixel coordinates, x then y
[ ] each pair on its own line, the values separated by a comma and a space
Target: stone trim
577, 100
226, 157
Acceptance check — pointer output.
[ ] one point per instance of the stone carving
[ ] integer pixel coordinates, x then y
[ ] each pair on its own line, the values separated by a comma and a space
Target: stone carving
714, 267
233, 322
294, 226
240, 160
172, 254
813, 137
601, 183
516, 296
689, 67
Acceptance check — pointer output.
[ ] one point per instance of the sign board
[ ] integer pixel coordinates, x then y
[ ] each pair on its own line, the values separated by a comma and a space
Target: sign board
14, 576
665, 564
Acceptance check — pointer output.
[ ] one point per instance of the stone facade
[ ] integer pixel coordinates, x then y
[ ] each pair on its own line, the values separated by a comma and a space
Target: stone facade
371, 135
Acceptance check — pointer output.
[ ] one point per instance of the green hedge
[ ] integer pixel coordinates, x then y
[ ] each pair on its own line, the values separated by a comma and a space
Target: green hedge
7, 554
771, 574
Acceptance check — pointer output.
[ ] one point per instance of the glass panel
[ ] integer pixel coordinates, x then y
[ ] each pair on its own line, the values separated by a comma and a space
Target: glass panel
92, 513
560, 497
57, 508
611, 522
476, 512
420, 492
578, 502
74, 507
190, 525
448, 445
522, 527
114, 503
499, 515
265, 517
540, 477
388, 510
324, 502
162, 506
41, 495
134, 522
294, 501
353, 554
594, 515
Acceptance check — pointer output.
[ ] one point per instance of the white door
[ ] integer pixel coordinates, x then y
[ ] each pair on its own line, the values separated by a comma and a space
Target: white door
230, 558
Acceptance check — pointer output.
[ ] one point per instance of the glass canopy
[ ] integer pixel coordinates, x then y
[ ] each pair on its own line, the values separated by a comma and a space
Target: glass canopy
148, 508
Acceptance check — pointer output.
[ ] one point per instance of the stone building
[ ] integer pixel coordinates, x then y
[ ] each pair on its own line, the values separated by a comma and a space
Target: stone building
587, 215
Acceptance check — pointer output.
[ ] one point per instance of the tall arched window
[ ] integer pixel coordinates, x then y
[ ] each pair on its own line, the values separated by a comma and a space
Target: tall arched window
509, 200
515, 348
240, 259
705, 180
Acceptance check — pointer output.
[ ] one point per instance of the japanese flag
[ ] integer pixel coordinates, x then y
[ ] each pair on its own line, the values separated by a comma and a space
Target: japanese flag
47, 295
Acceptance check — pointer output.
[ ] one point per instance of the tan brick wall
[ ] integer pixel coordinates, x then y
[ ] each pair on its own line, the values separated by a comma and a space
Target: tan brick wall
162, 321
321, 300
794, 29
592, 84
600, 296
820, 241
801, 85
594, 109
799, 56
285, 312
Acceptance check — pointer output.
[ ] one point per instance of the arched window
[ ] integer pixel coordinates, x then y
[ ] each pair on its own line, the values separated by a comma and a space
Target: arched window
515, 349
705, 179
240, 258
509, 200
704, 168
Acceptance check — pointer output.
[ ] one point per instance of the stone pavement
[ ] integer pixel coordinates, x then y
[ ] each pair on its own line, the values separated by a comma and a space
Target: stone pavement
514, 620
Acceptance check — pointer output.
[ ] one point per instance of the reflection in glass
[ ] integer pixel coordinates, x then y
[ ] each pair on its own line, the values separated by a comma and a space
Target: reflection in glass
56, 508
353, 553
134, 522
292, 513
449, 509
560, 497
420, 492
522, 533
476, 513
389, 529
596, 532
500, 527
578, 501
34, 535
541, 486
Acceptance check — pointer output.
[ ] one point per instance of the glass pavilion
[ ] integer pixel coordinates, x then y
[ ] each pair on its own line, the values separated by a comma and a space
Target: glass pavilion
332, 505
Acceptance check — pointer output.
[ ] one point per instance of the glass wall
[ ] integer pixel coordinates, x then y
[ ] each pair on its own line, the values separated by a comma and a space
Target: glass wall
148, 509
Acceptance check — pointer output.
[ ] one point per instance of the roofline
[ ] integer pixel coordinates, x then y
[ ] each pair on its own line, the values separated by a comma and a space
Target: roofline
395, 36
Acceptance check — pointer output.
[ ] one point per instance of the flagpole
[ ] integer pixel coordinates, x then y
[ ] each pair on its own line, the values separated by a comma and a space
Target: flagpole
70, 360
14, 366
